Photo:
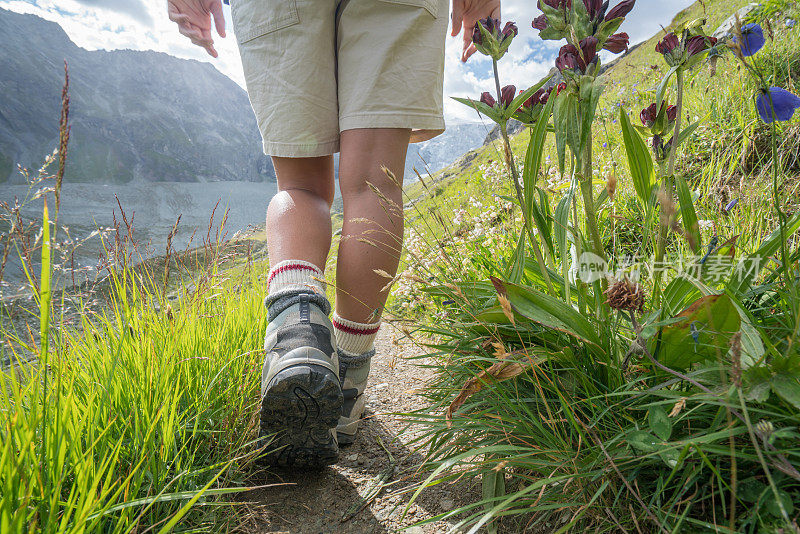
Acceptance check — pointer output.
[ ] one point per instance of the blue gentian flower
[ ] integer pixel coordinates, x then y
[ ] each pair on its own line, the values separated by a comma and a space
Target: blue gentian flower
752, 39
790, 23
783, 101
731, 204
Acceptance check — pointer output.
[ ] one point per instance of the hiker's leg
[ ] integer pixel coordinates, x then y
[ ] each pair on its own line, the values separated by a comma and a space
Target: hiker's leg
299, 216
373, 226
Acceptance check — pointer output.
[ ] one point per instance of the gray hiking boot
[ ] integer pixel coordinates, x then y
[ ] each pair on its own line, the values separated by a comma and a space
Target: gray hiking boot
301, 397
354, 371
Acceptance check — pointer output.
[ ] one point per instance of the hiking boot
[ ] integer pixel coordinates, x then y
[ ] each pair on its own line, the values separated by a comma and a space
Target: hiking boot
353, 371
301, 397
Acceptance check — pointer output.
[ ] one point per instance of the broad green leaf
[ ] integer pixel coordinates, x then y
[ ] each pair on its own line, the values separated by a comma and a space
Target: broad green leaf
639, 159
560, 228
580, 19
788, 388
565, 122
678, 295
547, 311
659, 422
772, 507
748, 269
704, 332
688, 214
644, 441
590, 90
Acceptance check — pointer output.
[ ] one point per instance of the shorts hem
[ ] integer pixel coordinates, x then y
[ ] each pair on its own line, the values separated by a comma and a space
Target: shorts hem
301, 150
425, 125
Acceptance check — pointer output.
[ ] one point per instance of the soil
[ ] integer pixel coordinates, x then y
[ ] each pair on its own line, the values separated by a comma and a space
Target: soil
333, 499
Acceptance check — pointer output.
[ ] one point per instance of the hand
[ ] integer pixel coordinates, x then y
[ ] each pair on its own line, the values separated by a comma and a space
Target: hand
193, 18
466, 13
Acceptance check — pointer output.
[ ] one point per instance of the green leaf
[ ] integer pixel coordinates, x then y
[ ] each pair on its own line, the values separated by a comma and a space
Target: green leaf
689, 130
560, 228
565, 121
678, 295
787, 388
607, 29
493, 113
518, 261
748, 269
547, 311
533, 165
688, 214
639, 159
659, 422
662, 87
580, 19
774, 509
493, 486
590, 89
703, 334
644, 441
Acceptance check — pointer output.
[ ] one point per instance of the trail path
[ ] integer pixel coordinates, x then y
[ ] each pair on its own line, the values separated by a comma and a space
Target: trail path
315, 503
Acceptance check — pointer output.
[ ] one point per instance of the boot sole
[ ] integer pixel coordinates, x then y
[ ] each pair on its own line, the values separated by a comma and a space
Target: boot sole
299, 410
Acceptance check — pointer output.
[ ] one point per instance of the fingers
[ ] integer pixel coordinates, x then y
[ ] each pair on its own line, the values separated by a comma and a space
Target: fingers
178, 18
468, 53
219, 18
458, 14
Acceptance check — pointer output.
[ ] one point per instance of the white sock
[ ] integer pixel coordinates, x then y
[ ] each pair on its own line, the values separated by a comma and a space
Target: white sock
295, 275
354, 338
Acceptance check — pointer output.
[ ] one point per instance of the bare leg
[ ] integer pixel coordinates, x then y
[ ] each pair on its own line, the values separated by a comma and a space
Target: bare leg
369, 217
299, 216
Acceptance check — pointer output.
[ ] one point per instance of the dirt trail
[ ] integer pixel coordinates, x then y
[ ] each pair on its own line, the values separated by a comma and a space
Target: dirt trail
331, 500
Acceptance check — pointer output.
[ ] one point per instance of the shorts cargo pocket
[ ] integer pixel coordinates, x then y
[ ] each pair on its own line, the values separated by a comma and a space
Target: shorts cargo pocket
432, 6
254, 18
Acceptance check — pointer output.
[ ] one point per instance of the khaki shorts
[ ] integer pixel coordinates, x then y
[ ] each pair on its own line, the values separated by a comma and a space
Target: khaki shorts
315, 68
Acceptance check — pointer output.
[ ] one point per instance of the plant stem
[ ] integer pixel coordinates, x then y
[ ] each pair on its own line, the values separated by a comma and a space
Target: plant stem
588, 198
663, 233
509, 156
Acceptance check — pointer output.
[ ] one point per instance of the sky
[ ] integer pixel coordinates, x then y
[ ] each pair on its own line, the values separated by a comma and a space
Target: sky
143, 25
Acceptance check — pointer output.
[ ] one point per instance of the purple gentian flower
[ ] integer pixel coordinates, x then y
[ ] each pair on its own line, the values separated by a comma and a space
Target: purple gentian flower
507, 94
488, 99
668, 44
783, 102
699, 43
620, 10
752, 39
509, 31
617, 43
540, 23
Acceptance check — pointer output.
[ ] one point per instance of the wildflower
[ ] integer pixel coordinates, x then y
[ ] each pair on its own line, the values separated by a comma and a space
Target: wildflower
790, 23
617, 43
752, 39
509, 31
699, 43
507, 94
784, 104
540, 23
490, 25
669, 48
571, 58
594, 8
730, 205
488, 99
650, 118
620, 10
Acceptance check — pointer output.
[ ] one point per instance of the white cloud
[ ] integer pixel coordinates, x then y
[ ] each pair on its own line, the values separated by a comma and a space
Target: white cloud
143, 25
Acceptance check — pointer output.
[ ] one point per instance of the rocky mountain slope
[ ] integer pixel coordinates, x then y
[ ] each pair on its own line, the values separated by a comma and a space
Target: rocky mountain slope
136, 116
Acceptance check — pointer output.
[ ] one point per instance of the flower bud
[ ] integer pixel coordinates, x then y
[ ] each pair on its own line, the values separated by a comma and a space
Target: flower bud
593, 7
620, 10
672, 113
540, 23
668, 44
617, 43
488, 99
509, 31
648, 115
699, 43
507, 94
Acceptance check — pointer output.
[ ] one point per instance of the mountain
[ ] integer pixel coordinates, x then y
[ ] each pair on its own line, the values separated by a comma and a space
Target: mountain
137, 116
441, 151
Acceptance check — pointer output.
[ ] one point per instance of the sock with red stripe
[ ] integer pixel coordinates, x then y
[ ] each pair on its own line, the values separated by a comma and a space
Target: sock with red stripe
289, 279
354, 339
